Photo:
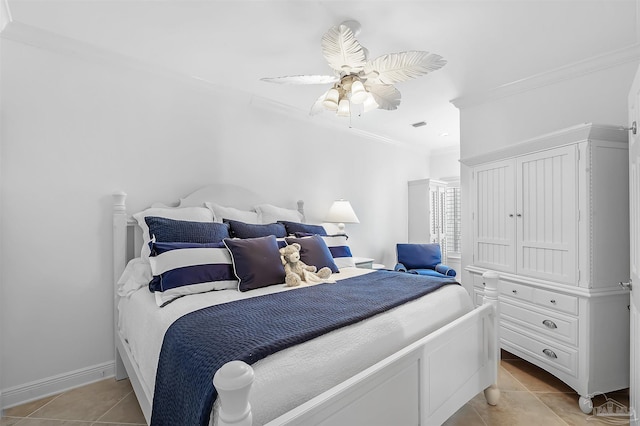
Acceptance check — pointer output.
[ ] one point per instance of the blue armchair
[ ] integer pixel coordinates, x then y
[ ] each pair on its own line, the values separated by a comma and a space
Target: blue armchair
422, 259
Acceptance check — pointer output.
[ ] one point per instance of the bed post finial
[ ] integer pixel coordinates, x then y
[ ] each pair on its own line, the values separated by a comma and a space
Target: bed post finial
233, 382
119, 198
490, 280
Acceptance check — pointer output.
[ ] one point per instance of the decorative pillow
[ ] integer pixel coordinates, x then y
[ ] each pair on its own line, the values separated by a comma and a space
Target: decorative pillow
268, 213
256, 262
314, 251
220, 213
180, 269
339, 250
295, 227
250, 230
193, 214
445, 270
182, 231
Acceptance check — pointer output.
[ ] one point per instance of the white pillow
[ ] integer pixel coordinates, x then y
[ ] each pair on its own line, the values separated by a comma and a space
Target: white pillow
268, 213
193, 214
340, 250
222, 212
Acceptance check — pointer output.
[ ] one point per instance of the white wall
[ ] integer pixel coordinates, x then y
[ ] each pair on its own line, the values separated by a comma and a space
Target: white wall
444, 163
75, 129
592, 97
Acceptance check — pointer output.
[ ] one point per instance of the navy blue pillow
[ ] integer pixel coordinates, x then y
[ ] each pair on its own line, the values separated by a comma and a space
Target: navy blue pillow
256, 262
182, 231
296, 227
252, 230
314, 251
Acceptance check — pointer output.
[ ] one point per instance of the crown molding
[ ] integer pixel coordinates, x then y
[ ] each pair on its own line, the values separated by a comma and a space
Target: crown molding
574, 70
70, 47
326, 121
49, 41
5, 14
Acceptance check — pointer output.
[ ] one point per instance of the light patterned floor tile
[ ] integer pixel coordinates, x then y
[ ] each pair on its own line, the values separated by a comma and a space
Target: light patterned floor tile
465, 416
25, 409
126, 411
88, 403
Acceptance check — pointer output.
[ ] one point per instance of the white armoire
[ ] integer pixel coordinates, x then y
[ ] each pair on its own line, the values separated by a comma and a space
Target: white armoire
551, 216
427, 213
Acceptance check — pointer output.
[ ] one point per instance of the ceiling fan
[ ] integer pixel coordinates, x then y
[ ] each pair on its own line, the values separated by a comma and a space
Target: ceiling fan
359, 83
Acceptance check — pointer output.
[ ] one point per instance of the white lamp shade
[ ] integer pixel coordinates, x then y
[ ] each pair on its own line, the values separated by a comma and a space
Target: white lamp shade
341, 212
343, 108
331, 100
358, 94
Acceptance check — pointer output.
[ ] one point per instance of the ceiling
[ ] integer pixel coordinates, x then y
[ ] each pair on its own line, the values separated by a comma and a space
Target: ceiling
235, 43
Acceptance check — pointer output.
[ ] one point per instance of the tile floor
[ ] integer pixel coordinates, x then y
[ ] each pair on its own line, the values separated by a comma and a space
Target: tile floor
529, 396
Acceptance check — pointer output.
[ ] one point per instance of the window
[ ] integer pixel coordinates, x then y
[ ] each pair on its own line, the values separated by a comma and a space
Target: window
454, 220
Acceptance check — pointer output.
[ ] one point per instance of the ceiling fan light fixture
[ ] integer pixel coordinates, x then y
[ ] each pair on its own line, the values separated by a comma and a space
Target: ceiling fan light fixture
344, 109
351, 65
331, 100
358, 92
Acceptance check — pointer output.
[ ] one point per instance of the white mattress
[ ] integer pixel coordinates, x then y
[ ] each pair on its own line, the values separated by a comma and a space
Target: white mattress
303, 371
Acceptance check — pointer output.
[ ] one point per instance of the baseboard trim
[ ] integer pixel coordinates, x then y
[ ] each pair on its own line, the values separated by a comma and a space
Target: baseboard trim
56, 384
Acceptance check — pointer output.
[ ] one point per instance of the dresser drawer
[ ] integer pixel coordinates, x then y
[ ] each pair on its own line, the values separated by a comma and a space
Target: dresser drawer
517, 291
557, 326
559, 357
553, 300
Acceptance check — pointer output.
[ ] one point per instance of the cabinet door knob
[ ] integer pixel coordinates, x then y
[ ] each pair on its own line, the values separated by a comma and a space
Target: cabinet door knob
510, 214
553, 301
519, 215
514, 291
549, 353
549, 324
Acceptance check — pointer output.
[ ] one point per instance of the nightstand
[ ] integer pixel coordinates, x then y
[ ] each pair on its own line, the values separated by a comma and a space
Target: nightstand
363, 262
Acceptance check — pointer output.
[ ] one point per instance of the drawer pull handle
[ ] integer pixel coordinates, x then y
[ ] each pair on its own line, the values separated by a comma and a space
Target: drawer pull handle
549, 324
514, 291
553, 301
549, 353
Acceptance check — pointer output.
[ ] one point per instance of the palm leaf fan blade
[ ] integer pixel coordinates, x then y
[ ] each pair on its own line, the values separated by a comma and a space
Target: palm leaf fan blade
395, 67
386, 96
318, 106
302, 79
342, 51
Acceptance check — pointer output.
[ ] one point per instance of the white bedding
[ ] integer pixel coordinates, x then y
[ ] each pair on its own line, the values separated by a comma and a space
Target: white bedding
294, 375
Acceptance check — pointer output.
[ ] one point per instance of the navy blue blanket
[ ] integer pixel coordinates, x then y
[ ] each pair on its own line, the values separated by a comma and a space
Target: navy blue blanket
199, 343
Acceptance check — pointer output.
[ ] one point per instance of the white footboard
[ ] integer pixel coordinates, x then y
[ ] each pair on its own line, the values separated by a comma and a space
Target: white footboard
424, 383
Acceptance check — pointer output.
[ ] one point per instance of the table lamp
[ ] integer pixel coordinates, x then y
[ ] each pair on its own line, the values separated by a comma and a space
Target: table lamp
341, 212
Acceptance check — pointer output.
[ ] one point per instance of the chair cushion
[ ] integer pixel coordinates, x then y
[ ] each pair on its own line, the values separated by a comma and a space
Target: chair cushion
430, 272
419, 256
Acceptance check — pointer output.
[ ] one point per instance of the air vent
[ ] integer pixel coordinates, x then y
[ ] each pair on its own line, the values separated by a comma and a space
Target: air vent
419, 124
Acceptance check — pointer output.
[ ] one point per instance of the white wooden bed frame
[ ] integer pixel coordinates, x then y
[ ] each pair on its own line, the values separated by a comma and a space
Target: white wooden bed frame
422, 384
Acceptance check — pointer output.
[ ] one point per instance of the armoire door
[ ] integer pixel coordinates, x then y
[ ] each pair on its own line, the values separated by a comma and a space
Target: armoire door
494, 216
634, 283
546, 215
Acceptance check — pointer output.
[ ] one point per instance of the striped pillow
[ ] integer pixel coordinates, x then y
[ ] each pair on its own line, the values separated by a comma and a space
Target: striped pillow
339, 250
180, 269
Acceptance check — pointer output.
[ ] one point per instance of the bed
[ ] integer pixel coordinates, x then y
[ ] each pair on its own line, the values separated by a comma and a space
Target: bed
416, 363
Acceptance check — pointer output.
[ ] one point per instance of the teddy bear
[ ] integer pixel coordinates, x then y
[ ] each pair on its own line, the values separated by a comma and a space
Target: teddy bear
297, 271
